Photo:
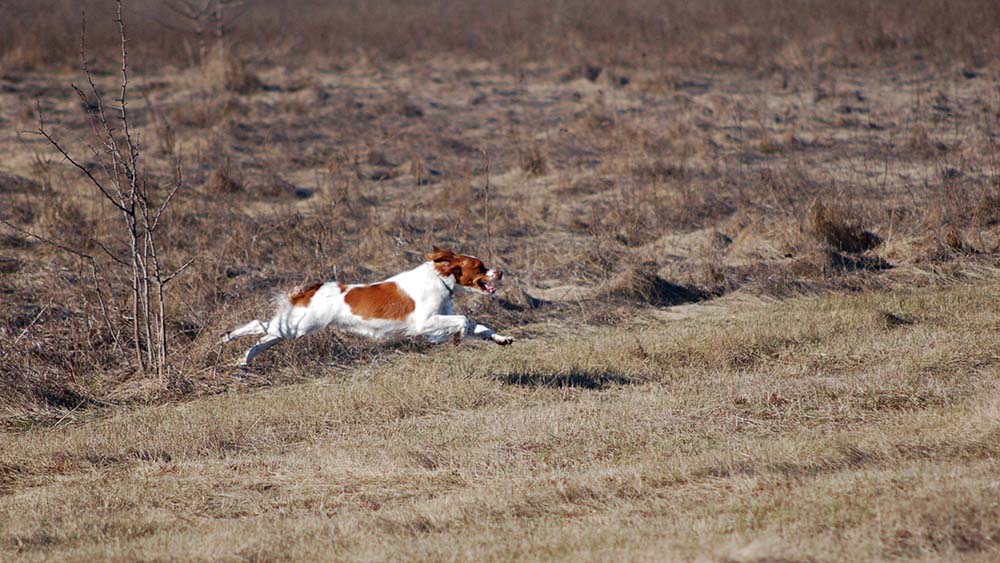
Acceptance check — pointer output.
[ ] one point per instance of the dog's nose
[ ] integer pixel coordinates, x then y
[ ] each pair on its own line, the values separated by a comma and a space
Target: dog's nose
499, 275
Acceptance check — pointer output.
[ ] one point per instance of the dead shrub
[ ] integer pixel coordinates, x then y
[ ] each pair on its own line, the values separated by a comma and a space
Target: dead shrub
641, 284
224, 180
921, 145
988, 210
839, 229
533, 161
225, 72
954, 240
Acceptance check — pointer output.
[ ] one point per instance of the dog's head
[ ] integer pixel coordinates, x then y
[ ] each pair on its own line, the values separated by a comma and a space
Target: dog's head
469, 272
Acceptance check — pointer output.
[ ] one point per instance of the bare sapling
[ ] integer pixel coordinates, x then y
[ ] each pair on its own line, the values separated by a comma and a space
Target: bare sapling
139, 204
208, 20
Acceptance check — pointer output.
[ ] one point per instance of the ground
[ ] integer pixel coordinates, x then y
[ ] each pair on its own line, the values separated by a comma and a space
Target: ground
752, 282
837, 428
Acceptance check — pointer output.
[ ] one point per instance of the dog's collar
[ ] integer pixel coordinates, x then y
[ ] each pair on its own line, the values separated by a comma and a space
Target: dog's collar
451, 289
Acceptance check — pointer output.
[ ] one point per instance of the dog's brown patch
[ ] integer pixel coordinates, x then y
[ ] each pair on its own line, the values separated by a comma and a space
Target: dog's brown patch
302, 295
379, 301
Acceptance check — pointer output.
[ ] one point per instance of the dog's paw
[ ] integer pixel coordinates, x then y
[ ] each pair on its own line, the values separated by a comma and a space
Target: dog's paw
503, 340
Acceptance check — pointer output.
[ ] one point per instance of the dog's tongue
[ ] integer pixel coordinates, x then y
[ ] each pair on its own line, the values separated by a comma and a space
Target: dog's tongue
489, 288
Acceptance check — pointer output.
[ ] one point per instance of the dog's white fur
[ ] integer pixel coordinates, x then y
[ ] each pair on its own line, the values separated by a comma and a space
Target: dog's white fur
432, 315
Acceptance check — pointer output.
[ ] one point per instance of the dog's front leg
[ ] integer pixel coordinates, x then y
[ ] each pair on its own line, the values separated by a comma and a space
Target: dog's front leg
486, 333
441, 327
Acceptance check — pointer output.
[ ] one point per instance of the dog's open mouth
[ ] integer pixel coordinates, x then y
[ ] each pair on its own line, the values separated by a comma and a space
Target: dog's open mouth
486, 287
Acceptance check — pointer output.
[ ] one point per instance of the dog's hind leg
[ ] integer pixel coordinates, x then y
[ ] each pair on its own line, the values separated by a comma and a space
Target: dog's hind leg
252, 328
263, 344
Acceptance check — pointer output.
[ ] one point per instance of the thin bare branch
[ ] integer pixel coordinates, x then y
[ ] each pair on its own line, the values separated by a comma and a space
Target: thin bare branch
110, 254
178, 271
133, 151
104, 307
32, 323
109, 131
47, 241
185, 10
83, 169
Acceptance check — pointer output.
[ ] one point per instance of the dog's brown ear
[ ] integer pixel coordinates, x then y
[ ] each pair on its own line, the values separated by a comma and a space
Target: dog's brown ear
440, 255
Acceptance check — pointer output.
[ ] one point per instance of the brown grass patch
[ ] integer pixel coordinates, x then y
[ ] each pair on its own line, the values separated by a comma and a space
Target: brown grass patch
600, 438
840, 229
224, 180
226, 72
533, 162
676, 34
642, 285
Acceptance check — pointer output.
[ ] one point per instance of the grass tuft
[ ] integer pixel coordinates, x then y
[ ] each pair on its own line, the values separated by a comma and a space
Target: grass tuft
642, 285
840, 229
224, 180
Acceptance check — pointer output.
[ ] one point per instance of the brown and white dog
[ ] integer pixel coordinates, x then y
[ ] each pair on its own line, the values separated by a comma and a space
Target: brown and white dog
417, 302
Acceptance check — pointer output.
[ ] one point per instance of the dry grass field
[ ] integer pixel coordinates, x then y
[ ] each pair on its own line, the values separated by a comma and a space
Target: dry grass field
752, 257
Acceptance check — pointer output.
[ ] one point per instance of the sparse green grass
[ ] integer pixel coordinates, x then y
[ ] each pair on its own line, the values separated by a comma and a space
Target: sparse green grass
831, 428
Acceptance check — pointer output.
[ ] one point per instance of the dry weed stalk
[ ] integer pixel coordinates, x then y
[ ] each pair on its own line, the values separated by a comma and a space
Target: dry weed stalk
486, 202
125, 187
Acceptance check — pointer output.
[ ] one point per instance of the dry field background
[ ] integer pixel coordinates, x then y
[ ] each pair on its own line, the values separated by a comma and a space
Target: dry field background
752, 252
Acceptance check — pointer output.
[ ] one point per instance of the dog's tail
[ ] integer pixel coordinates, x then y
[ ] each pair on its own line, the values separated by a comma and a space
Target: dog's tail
282, 304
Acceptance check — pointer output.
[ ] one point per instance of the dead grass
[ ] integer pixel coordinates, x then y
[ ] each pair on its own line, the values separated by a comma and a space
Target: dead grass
805, 430
595, 39
639, 199
533, 161
604, 196
225, 72
224, 180
641, 285
837, 228
750, 251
